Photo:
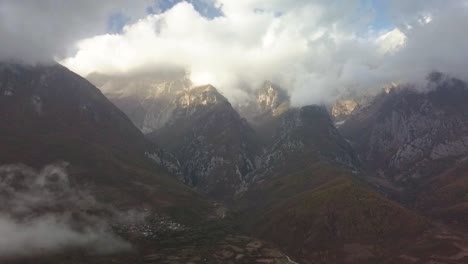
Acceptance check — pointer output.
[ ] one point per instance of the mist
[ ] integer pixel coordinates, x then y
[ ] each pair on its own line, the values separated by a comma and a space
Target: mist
43, 213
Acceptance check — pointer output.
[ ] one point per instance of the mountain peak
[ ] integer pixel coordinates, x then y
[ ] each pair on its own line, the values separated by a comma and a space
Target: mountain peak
268, 101
270, 97
410, 126
201, 95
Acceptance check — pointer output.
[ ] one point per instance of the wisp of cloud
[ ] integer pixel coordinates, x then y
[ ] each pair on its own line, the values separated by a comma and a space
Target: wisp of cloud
41, 212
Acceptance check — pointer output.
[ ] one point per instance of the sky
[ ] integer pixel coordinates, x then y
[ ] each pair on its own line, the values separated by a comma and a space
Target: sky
316, 49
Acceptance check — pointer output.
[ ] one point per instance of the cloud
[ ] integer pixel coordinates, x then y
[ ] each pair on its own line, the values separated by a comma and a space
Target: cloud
50, 234
39, 31
436, 41
315, 49
253, 41
41, 212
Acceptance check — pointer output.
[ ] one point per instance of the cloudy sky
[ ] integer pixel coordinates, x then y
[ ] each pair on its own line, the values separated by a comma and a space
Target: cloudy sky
314, 48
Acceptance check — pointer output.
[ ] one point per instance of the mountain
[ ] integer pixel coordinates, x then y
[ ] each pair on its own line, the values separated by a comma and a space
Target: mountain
324, 215
417, 140
214, 145
342, 109
302, 137
221, 155
309, 195
49, 114
289, 176
404, 128
80, 183
350, 102
145, 98
267, 101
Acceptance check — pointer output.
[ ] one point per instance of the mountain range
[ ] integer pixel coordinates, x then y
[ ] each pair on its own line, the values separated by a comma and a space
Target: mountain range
380, 180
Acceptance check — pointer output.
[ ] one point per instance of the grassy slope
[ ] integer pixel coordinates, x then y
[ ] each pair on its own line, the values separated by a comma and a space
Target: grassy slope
444, 195
314, 213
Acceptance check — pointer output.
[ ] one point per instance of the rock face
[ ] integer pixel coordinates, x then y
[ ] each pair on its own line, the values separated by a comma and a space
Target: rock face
268, 101
148, 100
403, 130
214, 145
302, 137
342, 109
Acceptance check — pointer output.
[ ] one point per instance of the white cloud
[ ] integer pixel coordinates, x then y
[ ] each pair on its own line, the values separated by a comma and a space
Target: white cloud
391, 41
315, 48
288, 44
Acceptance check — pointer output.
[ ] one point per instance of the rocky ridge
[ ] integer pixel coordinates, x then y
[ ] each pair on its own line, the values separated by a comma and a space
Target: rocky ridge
213, 144
404, 130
